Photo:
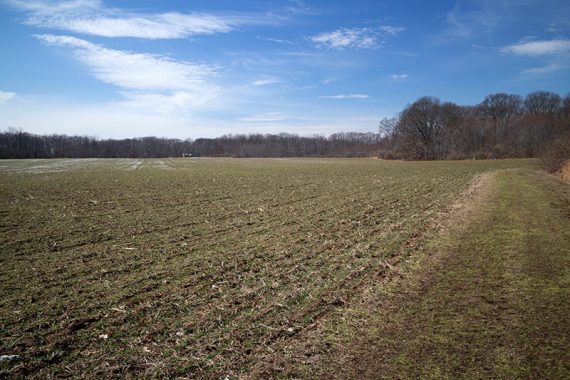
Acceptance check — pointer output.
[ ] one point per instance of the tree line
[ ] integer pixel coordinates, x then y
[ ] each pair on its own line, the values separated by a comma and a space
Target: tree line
19, 144
502, 125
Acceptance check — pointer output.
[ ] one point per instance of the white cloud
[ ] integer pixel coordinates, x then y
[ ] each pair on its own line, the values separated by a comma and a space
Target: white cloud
6, 96
50, 39
538, 48
398, 76
264, 117
329, 80
145, 79
342, 96
267, 80
163, 26
358, 38
93, 18
392, 29
52, 7
543, 69
277, 40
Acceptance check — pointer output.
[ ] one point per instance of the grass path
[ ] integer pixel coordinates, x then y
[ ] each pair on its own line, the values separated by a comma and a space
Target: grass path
494, 301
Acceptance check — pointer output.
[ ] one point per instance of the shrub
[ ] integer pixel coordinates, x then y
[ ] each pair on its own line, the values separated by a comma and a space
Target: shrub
556, 154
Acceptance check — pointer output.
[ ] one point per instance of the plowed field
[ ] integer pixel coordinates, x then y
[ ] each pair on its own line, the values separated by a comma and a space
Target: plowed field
196, 267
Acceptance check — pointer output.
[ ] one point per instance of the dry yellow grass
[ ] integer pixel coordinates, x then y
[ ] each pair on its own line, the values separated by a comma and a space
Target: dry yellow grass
565, 172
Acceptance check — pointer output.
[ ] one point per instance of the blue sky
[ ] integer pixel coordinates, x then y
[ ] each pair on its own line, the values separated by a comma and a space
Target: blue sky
206, 68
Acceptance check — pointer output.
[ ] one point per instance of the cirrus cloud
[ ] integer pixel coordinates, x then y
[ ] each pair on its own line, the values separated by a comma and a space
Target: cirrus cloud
547, 69
52, 7
264, 117
6, 96
391, 29
162, 26
345, 96
92, 17
144, 79
358, 38
267, 80
398, 76
539, 48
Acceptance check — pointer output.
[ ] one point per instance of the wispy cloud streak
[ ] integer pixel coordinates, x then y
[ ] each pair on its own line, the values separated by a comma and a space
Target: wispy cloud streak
143, 78
6, 96
276, 40
392, 29
550, 68
92, 17
539, 48
345, 96
264, 81
356, 38
398, 76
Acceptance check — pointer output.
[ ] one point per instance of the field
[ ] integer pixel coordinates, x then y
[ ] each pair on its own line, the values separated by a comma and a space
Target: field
199, 267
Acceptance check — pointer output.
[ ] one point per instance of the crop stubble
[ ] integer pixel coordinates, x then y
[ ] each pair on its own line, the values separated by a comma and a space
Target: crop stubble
122, 267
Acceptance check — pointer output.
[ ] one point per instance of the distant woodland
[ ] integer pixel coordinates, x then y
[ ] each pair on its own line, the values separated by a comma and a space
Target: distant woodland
501, 126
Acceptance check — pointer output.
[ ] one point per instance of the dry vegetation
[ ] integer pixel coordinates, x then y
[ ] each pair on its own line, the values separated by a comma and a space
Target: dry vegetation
121, 267
556, 154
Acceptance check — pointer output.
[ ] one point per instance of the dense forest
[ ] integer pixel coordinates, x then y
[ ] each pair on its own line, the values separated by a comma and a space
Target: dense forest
502, 125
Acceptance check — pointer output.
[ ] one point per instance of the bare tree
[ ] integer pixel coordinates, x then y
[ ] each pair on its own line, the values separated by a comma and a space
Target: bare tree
542, 102
566, 106
541, 119
452, 119
501, 107
501, 110
387, 126
421, 128
556, 153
